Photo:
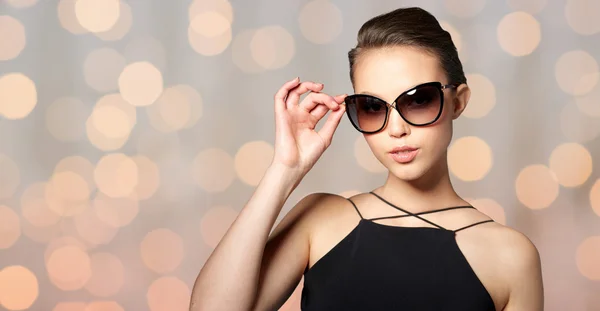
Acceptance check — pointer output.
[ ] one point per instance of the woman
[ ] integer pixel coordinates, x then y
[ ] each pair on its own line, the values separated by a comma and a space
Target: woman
412, 243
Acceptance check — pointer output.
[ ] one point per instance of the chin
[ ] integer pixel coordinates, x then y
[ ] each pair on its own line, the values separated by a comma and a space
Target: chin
407, 172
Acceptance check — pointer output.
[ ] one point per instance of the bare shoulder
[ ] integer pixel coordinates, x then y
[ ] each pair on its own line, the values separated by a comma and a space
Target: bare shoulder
322, 207
311, 211
518, 259
513, 247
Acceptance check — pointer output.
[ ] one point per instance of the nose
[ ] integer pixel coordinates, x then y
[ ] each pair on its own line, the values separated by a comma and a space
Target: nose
397, 126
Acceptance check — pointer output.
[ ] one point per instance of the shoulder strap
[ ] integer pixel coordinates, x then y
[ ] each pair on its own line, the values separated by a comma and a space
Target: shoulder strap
475, 224
356, 208
407, 212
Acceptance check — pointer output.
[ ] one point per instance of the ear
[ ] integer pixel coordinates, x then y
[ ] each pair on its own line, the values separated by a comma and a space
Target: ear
460, 100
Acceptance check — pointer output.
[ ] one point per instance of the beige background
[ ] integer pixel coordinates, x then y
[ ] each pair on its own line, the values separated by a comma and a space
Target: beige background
132, 133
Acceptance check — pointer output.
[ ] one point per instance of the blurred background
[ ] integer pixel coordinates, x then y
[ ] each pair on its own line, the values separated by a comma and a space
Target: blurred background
133, 132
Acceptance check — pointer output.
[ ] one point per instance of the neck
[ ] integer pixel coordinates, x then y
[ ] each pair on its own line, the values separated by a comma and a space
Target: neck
431, 191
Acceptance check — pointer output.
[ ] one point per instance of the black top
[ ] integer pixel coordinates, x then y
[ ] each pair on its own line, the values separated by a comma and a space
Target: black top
383, 267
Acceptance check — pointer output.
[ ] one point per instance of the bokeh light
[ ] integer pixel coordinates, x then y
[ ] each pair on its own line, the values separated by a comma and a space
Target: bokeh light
103, 306
108, 275
18, 95
140, 83
121, 27
116, 175
252, 160
111, 121
67, 193
41, 235
117, 101
171, 111
61, 242
491, 208
595, 197
19, 288
97, 16
92, 229
213, 170
101, 69
70, 306
12, 37
537, 186
69, 268
572, 164
162, 250
209, 33
34, 206
67, 18
196, 103
102, 132
365, 158
588, 103
529, 6
576, 125
470, 158
20, 4
272, 47
325, 31
116, 212
79, 165
464, 8
65, 119
583, 16
223, 7
576, 72
483, 96
168, 294
10, 178
215, 222
519, 33
587, 258
10, 227
242, 54
148, 178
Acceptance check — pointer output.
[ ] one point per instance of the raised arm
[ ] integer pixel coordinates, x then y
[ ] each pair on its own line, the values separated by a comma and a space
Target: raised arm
244, 272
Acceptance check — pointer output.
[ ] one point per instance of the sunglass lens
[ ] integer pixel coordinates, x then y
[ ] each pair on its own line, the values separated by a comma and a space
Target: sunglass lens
421, 105
367, 113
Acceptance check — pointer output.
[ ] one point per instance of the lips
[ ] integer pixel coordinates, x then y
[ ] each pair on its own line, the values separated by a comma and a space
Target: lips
403, 149
404, 154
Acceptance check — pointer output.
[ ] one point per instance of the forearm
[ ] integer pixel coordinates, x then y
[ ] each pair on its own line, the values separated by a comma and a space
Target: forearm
229, 278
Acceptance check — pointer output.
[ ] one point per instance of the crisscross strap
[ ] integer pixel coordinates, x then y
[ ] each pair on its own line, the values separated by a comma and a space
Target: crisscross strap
475, 224
407, 212
417, 214
356, 208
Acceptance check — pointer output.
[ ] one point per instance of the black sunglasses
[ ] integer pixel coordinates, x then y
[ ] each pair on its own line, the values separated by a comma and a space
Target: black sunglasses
419, 106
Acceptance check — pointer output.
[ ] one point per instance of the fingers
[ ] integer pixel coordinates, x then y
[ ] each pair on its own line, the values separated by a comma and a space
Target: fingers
320, 110
331, 125
314, 99
282, 93
295, 93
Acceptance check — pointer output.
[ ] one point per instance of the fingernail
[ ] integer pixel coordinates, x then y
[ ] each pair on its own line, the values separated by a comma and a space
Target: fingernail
296, 79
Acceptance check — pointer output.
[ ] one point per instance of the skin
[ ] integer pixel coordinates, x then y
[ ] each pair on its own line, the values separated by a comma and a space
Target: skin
239, 275
505, 260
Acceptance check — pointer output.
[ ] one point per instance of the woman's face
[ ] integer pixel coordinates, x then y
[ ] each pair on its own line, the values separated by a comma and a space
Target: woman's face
386, 73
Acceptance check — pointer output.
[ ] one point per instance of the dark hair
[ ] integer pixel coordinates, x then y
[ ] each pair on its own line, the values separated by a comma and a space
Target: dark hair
414, 27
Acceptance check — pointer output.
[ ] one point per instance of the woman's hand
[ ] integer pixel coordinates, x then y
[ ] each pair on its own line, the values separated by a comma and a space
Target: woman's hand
297, 144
